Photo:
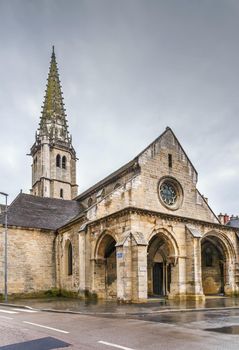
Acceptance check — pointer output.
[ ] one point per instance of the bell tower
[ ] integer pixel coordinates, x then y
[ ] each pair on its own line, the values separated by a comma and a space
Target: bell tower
53, 156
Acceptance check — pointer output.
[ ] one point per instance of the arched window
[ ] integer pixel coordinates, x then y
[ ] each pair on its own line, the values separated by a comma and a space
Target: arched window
69, 259
58, 161
61, 193
64, 162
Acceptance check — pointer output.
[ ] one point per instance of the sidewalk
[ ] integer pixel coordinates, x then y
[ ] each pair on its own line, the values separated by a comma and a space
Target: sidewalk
160, 305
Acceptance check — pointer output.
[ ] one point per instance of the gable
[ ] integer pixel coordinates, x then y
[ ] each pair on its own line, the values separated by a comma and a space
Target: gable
168, 142
169, 179
163, 160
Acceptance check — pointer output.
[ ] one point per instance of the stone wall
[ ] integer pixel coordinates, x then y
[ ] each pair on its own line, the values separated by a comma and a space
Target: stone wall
154, 163
65, 281
47, 178
31, 260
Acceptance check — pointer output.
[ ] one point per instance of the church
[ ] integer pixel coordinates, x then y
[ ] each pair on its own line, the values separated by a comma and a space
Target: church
143, 231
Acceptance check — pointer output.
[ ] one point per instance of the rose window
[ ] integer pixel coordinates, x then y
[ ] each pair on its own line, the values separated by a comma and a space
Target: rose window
168, 193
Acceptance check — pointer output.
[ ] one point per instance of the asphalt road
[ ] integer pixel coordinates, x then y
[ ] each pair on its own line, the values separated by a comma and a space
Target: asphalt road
22, 329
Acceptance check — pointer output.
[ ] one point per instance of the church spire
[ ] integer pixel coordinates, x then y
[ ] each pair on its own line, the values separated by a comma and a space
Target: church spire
53, 156
53, 123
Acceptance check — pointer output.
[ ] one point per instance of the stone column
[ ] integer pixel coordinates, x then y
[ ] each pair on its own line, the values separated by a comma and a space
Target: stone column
124, 271
131, 270
194, 288
139, 273
82, 262
177, 285
229, 278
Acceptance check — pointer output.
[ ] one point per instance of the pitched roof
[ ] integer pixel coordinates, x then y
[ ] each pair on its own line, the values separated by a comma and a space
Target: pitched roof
233, 222
133, 164
43, 213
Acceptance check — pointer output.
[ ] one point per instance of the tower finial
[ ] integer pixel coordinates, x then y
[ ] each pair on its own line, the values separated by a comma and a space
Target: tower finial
53, 50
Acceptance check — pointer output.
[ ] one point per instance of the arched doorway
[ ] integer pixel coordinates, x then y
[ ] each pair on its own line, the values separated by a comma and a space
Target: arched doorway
160, 259
215, 263
105, 269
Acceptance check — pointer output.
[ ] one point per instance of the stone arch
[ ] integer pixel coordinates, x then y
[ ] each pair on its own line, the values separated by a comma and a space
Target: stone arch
169, 238
227, 245
105, 266
162, 256
217, 260
100, 242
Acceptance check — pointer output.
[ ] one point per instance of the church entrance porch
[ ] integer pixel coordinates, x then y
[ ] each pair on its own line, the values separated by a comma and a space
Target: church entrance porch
213, 266
105, 268
217, 265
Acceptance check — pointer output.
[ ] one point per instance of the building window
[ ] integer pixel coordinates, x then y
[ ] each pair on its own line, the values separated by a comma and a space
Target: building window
170, 161
64, 162
61, 193
58, 161
69, 258
170, 193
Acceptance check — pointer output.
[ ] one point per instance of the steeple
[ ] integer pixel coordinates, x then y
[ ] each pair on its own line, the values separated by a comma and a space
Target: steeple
53, 122
54, 158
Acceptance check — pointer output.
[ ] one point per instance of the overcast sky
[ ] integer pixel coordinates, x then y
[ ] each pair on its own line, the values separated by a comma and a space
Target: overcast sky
128, 68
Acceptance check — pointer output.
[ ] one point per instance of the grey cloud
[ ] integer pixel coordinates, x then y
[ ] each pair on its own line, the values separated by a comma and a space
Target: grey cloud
128, 69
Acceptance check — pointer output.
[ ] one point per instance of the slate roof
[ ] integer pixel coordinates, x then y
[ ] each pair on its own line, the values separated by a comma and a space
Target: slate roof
127, 167
233, 222
44, 213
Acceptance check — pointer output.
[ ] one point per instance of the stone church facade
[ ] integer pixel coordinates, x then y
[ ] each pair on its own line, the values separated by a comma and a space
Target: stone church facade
145, 230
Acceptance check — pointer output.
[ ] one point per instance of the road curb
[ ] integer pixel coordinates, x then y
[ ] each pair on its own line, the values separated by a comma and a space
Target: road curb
121, 314
18, 306
141, 313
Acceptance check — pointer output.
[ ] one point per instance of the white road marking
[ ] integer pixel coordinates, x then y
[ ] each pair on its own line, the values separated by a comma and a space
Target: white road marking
40, 325
25, 310
6, 318
8, 312
114, 345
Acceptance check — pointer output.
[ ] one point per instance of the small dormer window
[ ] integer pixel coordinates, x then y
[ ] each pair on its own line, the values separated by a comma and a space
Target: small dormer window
64, 162
58, 161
